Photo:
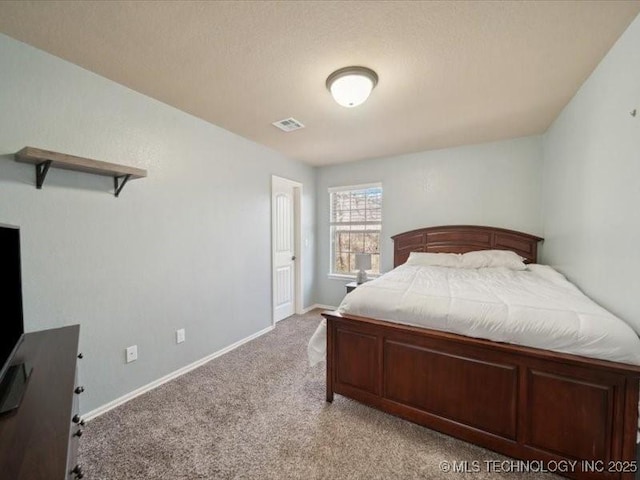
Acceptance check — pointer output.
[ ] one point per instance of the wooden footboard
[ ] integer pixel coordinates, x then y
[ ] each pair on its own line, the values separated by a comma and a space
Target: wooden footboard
523, 402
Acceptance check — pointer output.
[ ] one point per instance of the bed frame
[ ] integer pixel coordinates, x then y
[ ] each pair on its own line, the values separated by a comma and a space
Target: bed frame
526, 403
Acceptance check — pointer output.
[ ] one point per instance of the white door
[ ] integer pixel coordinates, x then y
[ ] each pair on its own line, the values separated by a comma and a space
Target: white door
283, 249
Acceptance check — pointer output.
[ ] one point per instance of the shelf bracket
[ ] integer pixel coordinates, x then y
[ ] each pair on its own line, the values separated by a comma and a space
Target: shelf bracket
119, 183
42, 169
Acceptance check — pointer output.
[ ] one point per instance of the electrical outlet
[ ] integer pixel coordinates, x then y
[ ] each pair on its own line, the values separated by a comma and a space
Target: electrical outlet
180, 335
132, 353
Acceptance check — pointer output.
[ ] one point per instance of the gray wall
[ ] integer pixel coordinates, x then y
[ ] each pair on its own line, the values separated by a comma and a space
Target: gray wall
592, 183
189, 246
491, 184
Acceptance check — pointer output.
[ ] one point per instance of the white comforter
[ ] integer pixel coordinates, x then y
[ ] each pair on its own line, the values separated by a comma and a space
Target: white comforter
536, 307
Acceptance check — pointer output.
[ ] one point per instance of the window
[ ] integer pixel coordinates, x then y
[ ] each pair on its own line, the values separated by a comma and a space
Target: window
356, 221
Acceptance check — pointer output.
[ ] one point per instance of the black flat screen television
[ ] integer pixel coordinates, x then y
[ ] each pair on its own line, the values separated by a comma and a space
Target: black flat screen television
11, 323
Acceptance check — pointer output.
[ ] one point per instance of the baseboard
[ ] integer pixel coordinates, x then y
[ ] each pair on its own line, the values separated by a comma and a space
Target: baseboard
318, 305
181, 371
325, 307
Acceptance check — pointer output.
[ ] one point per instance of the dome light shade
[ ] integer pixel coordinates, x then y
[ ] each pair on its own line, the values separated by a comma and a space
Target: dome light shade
351, 86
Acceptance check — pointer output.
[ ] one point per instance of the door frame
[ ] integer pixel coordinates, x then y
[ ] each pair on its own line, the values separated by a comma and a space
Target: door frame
298, 300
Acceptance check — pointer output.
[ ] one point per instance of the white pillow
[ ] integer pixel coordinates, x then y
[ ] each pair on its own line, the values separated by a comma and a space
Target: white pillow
493, 259
451, 260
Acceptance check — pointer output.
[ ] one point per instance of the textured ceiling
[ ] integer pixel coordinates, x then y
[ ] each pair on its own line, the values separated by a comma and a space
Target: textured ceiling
451, 73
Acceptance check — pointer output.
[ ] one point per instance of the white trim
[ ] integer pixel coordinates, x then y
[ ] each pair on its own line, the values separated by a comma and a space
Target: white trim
297, 235
350, 278
293, 183
340, 276
181, 371
363, 186
318, 305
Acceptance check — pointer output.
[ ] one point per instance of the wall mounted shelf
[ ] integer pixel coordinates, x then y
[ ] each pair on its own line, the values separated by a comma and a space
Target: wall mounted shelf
45, 159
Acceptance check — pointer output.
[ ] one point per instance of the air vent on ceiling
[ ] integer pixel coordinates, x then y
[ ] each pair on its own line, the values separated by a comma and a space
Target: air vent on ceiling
288, 124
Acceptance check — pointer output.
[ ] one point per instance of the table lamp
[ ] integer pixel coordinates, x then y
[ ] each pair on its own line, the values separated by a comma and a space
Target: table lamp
363, 263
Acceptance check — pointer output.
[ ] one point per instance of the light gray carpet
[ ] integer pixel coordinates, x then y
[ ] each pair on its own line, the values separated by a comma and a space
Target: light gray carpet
258, 412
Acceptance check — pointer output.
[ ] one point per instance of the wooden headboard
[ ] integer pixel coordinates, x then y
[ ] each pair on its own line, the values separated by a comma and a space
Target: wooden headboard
462, 239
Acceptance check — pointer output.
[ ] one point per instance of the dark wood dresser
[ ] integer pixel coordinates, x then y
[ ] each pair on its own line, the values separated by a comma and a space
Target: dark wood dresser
39, 440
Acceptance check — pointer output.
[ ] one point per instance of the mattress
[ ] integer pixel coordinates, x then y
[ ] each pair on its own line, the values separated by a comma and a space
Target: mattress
536, 308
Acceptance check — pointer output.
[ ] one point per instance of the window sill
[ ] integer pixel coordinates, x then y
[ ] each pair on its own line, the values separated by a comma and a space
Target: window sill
349, 278
337, 276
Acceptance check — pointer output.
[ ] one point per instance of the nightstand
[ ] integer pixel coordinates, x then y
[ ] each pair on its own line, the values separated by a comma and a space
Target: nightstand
351, 286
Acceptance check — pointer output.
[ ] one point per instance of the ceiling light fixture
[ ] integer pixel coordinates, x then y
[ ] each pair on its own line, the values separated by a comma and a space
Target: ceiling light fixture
351, 86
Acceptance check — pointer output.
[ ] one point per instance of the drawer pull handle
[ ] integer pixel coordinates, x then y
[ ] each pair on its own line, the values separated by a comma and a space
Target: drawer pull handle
80, 356
76, 419
78, 433
79, 390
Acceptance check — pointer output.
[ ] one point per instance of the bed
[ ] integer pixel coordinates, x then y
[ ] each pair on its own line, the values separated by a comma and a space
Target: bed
528, 403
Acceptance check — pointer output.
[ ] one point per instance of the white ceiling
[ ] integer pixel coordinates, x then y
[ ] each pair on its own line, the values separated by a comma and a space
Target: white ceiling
451, 73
